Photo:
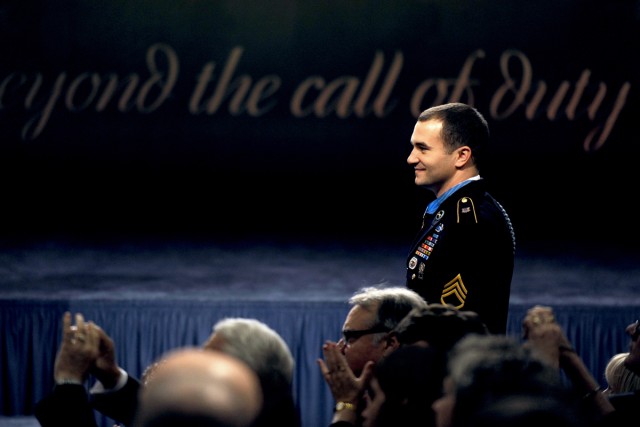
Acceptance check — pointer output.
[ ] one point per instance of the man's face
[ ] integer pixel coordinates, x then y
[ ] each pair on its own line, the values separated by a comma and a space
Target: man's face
358, 349
633, 359
433, 165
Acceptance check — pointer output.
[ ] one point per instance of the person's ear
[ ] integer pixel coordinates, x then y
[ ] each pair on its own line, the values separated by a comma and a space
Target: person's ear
391, 343
464, 156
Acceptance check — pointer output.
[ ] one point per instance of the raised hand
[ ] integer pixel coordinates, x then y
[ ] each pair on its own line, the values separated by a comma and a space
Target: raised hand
78, 350
344, 385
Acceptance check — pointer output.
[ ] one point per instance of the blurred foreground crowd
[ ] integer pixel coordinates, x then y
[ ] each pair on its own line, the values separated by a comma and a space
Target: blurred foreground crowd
400, 362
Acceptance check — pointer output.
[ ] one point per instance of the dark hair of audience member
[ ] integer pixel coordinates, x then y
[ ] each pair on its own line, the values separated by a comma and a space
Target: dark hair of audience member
527, 411
438, 325
411, 379
485, 368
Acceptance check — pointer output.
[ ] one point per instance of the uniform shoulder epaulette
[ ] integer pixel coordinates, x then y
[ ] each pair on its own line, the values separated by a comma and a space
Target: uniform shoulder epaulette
466, 211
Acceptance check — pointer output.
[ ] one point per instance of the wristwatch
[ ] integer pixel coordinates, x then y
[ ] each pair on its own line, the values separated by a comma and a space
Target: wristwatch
340, 406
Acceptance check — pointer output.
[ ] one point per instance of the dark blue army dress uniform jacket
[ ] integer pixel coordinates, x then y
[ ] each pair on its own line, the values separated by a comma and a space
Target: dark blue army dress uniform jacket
464, 255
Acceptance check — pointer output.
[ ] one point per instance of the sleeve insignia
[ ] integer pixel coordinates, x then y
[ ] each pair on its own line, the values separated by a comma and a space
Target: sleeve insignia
454, 293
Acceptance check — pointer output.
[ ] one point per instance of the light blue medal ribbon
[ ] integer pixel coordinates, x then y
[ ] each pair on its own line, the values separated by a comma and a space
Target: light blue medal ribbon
432, 207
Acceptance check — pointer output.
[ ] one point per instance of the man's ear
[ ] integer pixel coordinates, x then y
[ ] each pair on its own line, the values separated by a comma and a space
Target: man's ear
391, 344
464, 154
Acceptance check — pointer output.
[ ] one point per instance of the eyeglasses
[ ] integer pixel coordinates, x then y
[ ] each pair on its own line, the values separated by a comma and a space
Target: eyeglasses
350, 335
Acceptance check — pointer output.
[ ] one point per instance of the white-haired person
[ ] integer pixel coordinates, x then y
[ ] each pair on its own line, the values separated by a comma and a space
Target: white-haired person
266, 352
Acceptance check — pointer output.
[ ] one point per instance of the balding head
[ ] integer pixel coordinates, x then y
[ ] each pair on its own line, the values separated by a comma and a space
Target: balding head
193, 387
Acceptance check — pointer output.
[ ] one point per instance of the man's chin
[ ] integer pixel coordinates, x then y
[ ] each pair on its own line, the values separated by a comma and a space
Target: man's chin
426, 186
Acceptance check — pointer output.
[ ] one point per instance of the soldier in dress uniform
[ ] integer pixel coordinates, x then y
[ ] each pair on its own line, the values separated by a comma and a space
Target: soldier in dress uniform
464, 253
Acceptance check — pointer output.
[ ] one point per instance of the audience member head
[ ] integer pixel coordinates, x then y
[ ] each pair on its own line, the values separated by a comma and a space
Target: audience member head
485, 368
266, 352
620, 379
632, 360
197, 388
438, 325
403, 387
375, 311
150, 371
526, 411
255, 343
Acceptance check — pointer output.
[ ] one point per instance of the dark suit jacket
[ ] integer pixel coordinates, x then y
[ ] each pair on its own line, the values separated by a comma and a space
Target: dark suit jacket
464, 256
626, 404
67, 405
119, 405
70, 405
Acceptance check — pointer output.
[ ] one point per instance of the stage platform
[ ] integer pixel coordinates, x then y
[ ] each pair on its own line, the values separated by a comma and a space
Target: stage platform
155, 295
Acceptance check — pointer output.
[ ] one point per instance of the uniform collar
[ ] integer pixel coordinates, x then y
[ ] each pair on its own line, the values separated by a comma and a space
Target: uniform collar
435, 204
